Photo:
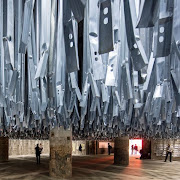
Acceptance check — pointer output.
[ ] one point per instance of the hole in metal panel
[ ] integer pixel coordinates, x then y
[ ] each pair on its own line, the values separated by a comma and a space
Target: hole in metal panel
135, 46
10, 38
95, 53
105, 11
71, 44
96, 59
93, 34
161, 39
70, 36
161, 29
105, 20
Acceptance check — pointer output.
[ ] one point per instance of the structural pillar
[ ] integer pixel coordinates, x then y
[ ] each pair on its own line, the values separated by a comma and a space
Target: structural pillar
4, 149
146, 149
92, 147
121, 150
60, 165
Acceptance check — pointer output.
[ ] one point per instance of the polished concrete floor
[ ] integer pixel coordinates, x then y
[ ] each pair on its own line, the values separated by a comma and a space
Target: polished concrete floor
91, 167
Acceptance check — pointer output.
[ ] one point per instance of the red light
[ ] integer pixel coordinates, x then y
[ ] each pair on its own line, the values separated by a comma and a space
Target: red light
132, 144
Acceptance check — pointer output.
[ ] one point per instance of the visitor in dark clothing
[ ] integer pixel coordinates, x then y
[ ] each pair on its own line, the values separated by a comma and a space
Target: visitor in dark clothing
80, 148
109, 149
37, 149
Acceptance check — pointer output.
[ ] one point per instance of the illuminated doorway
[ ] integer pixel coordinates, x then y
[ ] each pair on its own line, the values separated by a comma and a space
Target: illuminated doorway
135, 145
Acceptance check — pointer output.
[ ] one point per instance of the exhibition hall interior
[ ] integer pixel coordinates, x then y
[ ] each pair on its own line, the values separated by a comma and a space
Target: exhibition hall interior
89, 89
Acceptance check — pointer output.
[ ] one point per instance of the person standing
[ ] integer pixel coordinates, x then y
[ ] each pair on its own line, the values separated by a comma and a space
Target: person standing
169, 151
109, 149
80, 148
135, 148
37, 154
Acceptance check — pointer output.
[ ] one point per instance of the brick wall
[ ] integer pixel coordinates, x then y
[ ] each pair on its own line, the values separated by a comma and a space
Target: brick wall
158, 148
26, 146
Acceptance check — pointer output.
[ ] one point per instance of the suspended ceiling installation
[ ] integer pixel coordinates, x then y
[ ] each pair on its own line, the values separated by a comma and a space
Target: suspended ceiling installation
126, 82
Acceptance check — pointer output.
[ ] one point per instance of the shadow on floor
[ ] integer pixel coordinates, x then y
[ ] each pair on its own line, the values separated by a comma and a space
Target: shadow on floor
90, 167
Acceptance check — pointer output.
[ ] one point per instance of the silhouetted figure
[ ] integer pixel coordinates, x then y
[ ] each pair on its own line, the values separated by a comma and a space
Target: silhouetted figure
37, 154
132, 149
109, 149
169, 151
40, 148
135, 148
80, 148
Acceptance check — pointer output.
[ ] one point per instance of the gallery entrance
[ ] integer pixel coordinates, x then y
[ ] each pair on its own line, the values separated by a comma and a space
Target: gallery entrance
135, 145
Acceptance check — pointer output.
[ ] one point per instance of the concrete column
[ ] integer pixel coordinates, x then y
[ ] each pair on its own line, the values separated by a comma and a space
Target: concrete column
146, 149
92, 147
121, 150
4, 149
60, 165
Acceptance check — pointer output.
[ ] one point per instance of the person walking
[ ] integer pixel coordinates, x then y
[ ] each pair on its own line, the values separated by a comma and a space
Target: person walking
37, 149
169, 152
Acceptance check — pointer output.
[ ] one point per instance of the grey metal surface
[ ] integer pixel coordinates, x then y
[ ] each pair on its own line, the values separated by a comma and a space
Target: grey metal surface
105, 27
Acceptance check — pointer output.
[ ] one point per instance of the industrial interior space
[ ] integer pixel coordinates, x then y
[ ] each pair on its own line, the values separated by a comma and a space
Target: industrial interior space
89, 89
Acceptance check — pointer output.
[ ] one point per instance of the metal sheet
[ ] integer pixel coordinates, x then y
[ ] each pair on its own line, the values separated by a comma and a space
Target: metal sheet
162, 45
148, 13
105, 27
85, 93
41, 68
71, 52
112, 68
77, 8
28, 10
12, 84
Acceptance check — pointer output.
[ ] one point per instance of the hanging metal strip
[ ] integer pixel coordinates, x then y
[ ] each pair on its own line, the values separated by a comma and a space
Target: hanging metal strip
85, 93
162, 40
105, 27
28, 11
70, 47
41, 68
12, 84
94, 88
148, 14
77, 8
149, 71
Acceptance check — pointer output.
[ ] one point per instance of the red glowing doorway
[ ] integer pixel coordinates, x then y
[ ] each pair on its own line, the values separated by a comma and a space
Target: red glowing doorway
135, 145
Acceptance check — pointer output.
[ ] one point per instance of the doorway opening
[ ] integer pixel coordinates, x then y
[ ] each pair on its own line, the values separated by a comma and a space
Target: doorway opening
135, 145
